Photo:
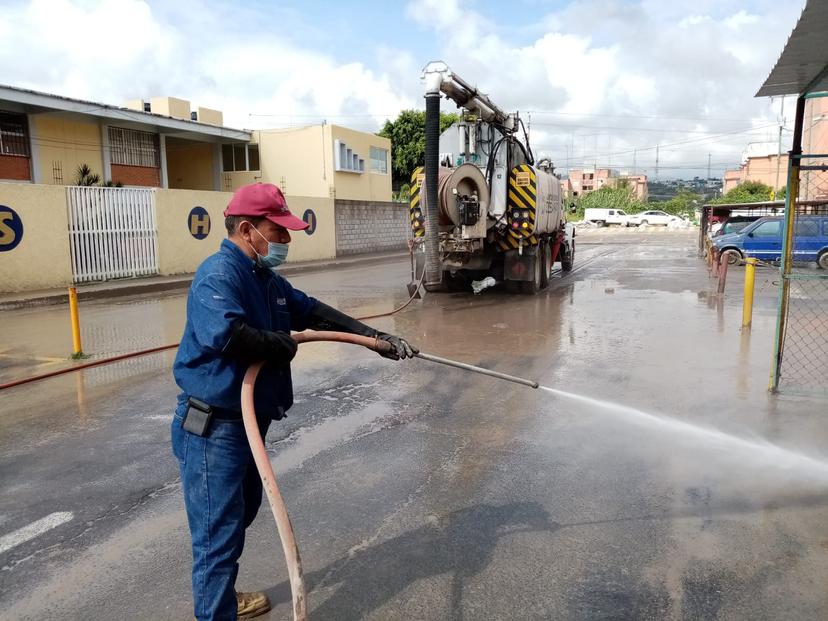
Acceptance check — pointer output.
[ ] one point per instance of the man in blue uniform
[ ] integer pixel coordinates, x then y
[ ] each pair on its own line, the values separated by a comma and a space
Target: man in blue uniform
239, 311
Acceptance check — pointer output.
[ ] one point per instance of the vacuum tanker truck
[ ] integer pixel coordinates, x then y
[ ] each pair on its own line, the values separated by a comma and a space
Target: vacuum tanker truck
481, 206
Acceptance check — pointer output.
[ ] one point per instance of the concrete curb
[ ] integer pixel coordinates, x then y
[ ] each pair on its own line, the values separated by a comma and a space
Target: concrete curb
123, 288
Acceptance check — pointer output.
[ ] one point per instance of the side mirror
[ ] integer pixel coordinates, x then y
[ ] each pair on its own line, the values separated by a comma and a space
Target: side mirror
750, 234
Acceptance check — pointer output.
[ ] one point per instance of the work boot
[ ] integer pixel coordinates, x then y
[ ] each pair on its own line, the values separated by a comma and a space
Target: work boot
252, 604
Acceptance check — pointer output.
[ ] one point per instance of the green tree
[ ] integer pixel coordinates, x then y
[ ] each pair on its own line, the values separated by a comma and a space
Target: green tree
683, 203
747, 192
407, 135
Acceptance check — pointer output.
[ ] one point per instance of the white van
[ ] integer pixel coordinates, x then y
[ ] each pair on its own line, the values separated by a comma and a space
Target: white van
604, 217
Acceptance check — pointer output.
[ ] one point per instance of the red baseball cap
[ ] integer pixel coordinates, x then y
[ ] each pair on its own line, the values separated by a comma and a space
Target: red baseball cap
264, 200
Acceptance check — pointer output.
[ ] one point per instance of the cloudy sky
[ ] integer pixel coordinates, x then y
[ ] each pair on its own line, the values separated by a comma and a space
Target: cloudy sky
601, 81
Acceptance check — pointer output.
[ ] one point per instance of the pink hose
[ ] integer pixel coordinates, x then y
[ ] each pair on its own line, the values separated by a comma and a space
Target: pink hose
274, 497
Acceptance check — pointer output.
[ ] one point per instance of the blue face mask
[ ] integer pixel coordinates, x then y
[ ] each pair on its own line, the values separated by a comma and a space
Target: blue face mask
276, 253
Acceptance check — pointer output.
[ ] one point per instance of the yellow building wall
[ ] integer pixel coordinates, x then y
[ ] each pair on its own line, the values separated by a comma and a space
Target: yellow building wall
232, 181
322, 243
171, 106
301, 162
208, 115
181, 253
178, 251
366, 186
68, 142
190, 164
41, 260
294, 159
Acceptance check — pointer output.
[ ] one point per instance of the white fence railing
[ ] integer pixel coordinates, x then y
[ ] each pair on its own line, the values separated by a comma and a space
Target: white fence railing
113, 232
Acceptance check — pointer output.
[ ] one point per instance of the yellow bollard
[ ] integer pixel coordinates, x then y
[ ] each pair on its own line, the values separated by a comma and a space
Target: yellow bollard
77, 350
750, 278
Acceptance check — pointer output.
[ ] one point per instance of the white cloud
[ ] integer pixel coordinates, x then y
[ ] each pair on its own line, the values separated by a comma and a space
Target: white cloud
113, 50
595, 72
615, 76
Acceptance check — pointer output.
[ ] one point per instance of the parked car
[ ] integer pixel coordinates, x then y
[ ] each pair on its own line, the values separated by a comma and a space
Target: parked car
651, 217
734, 224
763, 240
604, 217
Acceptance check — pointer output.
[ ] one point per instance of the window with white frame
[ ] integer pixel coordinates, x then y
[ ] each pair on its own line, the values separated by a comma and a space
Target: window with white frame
130, 147
379, 160
240, 157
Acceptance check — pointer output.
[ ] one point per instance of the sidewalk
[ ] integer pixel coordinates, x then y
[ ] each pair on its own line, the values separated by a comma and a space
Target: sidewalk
154, 284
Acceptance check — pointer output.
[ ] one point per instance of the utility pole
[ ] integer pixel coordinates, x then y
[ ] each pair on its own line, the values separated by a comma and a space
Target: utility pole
708, 165
656, 166
779, 148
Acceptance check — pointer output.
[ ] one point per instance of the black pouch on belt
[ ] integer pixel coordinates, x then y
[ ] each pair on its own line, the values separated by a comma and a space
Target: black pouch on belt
198, 417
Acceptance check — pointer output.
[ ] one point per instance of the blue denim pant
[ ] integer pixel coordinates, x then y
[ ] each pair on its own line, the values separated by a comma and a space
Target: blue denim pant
222, 494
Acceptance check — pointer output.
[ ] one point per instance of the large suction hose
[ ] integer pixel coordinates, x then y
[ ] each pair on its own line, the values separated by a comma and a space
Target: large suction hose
433, 266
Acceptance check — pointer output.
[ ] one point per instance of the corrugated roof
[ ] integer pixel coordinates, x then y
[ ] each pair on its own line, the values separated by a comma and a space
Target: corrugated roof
803, 65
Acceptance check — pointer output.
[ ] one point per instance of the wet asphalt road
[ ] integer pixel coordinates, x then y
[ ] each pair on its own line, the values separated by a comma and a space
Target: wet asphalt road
420, 492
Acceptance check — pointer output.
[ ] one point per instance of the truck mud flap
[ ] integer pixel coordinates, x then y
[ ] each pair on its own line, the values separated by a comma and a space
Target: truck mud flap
520, 267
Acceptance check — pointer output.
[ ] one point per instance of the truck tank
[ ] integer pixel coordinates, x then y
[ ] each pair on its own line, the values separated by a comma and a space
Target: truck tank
534, 205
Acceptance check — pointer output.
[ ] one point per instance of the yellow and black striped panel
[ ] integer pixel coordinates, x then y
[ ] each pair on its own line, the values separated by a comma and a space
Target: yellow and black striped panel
415, 212
522, 197
512, 243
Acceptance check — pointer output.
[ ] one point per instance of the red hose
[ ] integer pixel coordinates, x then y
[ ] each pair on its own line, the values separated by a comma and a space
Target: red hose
153, 350
265, 468
86, 365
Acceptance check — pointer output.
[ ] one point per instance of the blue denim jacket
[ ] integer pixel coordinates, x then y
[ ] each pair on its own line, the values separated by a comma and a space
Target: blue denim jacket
227, 287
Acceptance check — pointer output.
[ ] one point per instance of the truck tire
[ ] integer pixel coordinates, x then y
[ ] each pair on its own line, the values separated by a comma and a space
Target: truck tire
601, 223
545, 257
531, 287
454, 282
822, 260
567, 257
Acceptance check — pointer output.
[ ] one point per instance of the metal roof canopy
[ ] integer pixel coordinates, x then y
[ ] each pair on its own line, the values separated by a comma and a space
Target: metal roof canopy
803, 65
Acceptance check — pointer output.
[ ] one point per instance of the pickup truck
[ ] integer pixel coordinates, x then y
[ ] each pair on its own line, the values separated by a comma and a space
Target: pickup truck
605, 217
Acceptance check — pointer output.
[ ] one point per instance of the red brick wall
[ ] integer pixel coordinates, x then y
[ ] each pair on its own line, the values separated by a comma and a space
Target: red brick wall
14, 167
136, 175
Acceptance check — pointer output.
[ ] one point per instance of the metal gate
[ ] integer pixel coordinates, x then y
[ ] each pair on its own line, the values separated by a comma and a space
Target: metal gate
113, 233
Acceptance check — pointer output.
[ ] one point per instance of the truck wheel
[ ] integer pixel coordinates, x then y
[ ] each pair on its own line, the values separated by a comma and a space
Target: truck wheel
601, 223
822, 261
531, 287
545, 258
567, 257
454, 282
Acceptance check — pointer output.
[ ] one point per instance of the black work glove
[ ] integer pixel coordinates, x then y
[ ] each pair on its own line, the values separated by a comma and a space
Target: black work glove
253, 345
324, 317
401, 348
